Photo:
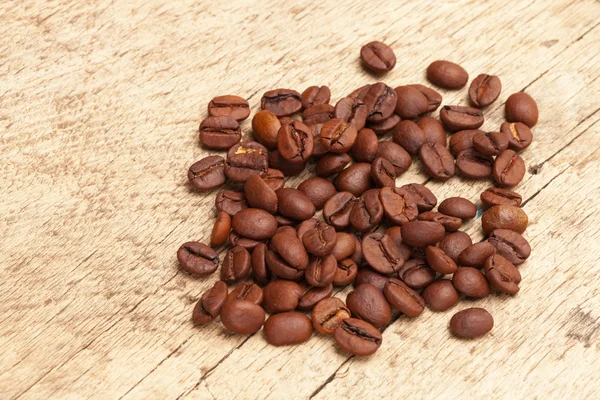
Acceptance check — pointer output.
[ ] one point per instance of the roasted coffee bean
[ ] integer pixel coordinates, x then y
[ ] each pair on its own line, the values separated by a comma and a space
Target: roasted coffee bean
458, 207
337, 209
440, 295
265, 126
383, 172
274, 179
411, 102
220, 133
344, 247
416, 274
365, 146
360, 92
403, 298
286, 229
503, 276
520, 107
382, 253
254, 223
260, 195
260, 270
474, 165
447, 74
318, 114
230, 201
345, 273
355, 179
220, 230
295, 204
318, 190
328, 314
305, 226
422, 233
367, 275
288, 168
424, 198
245, 159
207, 173
338, 136
357, 256
210, 304
312, 295
291, 250
433, 130
395, 233
496, 196
378, 57
232, 106
454, 243
295, 142
458, 118
439, 260
315, 95
242, 316
450, 224
471, 323
476, 254
321, 240
319, 150
470, 282
247, 243
463, 140
396, 155
332, 163
367, 212
321, 271
197, 258
504, 217
490, 143
246, 291
236, 264
287, 328
357, 337
369, 304
510, 245
380, 101
281, 296
484, 90
437, 161
408, 135
351, 110
385, 126
517, 134
279, 267
399, 205
434, 99
281, 102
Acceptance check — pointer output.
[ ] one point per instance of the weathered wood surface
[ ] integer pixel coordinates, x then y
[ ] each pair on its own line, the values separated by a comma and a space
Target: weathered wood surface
99, 108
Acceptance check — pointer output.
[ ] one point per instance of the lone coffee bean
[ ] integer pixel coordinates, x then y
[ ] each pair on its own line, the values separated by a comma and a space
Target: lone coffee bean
471, 323
378, 57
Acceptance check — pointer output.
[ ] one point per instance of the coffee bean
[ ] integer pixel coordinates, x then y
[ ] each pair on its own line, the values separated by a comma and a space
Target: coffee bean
395, 233
517, 134
220, 133
520, 107
291, 250
440, 295
367, 275
454, 243
416, 274
490, 143
337, 209
503, 276
470, 282
345, 273
437, 161
463, 140
332, 163
458, 207
396, 155
321, 240
367, 212
385, 126
403, 298
510, 245
230, 201
355, 179
260, 270
247, 243
380, 101
197, 258
260, 195
207, 173
242, 316
365, 146
220, 230
357, 337
496, 196
288, 168
382, 253
246, 291
245, 159
295, 204
254, 223
319, 150
383, 172
236, 264
265, 126
474, 165
295, 142
232, 106
369, 304
305, 226
509, 168
318, 190
281, 102
434, 99
315, 95
274, 179
408, 135
422, 233
318, 114
287, 328
357, 256
433, 129
471, 323
476, 254
450, 224
439, 260
399, 205
344, 247
312, 295
351, 110
321, 271
210, 304
281, 296
411, 102
328, 314
424, 198
458, 118
504, 217
378, 57
484, 90
338, 136
447, 74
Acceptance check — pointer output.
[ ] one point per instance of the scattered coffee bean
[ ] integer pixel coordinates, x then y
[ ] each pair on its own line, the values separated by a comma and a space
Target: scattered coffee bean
246, 291
220, 231
321, 240
357, 337
484, 90
458, 118
510, 245
471, 323
365, 146
236, 264
463, 140
504, 217
355, 179
230, 201
367, 275
344, 246
424, 197
450, 224
396, 155
281, 296
247, 243
210, 304
509, 168
287, 328
440, 295
260, 195
281, 102
474, 165
447, 74
520, 107
416, 274
265, 126
337, 209
378, 57
332, 163
437, 161
260, 270
338, 136
408, 135
503, 276
220, 133
403, 298
345, 273
312, 295
383, 172
395, 233
433, 129
207, 173
490, 143
367, 211
476, 254
318, 114
254, 223
295, 142
357, 256
382, 253
369, 304
411, 102
288, 168
422, 233
321, 271
353, 111
439, 260
295, 204
289, 249
518, 135
242, 316
245, 159
458, 207
318, 190
380, 101
315, 95
328, 314
470, 282
232, 106
496, 196
399, 205
385, 126
455, 243
197, 258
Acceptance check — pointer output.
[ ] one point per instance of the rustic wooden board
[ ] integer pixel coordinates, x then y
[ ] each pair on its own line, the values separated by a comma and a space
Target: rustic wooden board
99, 108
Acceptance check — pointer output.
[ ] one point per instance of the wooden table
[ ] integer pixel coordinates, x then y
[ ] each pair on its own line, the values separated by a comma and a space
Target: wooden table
100, 103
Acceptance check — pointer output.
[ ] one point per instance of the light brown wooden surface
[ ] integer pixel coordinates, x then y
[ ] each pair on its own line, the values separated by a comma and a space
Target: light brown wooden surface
99, 108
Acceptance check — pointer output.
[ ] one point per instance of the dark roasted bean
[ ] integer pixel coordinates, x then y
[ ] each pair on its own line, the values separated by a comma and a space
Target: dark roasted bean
281, 102
454, 243
337, 209
504, 217
369, 304
385, 126
328, 314
318, 190
233, 106
247, 291
220, 133
437, 161
332, 163
503, 276
433, 129
458, 207
260, 195
318, 114
288, 168
338, 136
197, 258
236, 264
230, 201
458, 118
281, 296
382, 253
367, 212
439, 260
380, 101
210, 304
471, 323
287, 328
321, 240
357, 337
242, 316
450, 224
520, 107
484, 90
245, 159
434, 99
422, 233
351, 110
207, 173
254, 223
474, 165
424, 198
312, 295
321, 271
440, 295
490, 143
447, 74
295, 204
510, 245
396, 155
416, 273
496, 196
315, 95
345, 273
399, 205
383, 172
403, 298
378, 57
476, 254
265, 126
408, 135
462, 140
260, 270
470, 282
365, 146
518, 134
355, 179
295, 142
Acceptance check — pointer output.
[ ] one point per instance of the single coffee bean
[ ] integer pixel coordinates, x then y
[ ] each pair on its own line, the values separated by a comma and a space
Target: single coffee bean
490, 143
288, 168
357, 256
220, 230
295, 142
503, 276
496, 196
385, 126
416, 274
230, 201
210, 304
265, 126
471, 323
458, 118
260, 270
321, 240
504, 217
246, 291
520, 107
510, 245
274, 179
305, 226
450, 224
242, 316
383, 172
396, 155
236, 264
321, 271
254, 223
380, 101
437, 161
312, 295
424, 197
280, 268
517, 134
433, 129
476, 254
281, 102
281, 296
295, 204
287, 328
355, 179
440, 295
247, 243
357, 337
463, 140
369, 304
474, 165
345, 273
365, 146
351, 110
484, 90
411, 102
328, 314
458, 207
318, 190
197, 258
207, 173
455, 243
344, 247
290, 249
509, 168
378, 57
447, 74
439, 260
408, 135
319, 150
395, 233
367, 212
422, 233
403, 298
315, 95
220, 133
399, 205
245, 159
338, 136
318, 114
260, 195
434, 99
367, 275
470, 282
337, 209
232, 106
382, 253
331, 163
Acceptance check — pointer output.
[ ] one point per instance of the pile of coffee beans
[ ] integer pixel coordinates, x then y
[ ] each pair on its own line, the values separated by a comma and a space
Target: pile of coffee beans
350, 224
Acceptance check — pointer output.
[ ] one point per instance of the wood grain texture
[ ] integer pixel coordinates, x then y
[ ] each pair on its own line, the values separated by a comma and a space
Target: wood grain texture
99, 108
